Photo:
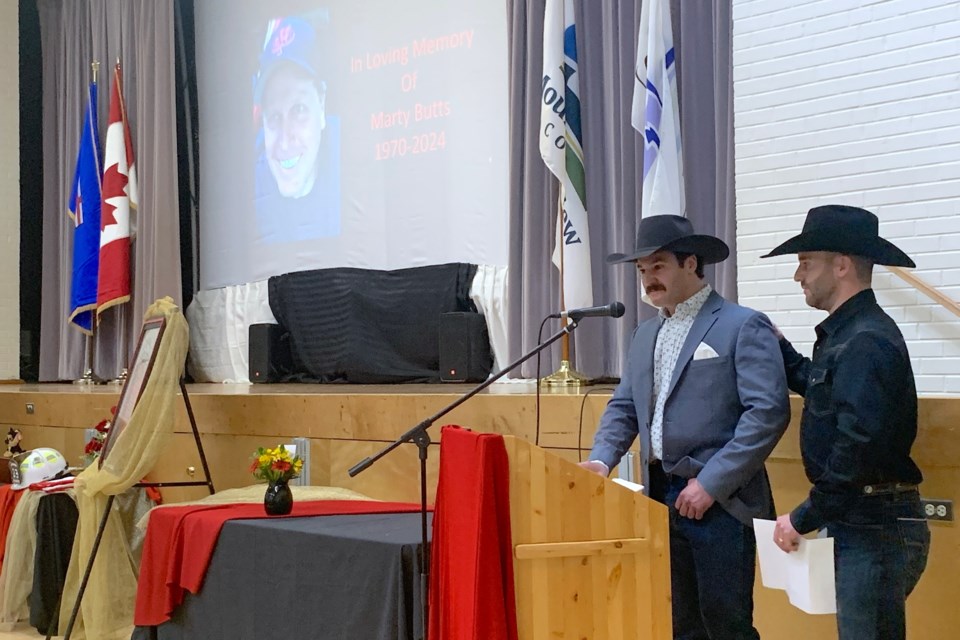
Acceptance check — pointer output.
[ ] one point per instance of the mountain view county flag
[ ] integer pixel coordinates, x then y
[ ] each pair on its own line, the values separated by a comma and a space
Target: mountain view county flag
561, 146
84, 210
119, 198
656, 112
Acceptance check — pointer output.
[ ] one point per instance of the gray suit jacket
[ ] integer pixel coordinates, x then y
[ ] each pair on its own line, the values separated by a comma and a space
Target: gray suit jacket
722, 417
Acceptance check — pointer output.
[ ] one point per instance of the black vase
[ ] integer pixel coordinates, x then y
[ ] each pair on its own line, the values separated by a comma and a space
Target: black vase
278, 501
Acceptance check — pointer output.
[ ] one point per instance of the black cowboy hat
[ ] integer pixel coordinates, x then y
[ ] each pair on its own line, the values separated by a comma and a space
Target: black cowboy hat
672, 233
842, 229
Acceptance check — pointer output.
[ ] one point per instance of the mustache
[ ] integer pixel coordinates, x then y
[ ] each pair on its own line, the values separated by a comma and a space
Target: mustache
655, 287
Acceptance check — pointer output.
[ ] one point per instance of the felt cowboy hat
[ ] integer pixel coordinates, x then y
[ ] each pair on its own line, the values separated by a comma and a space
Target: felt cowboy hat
672, 233
842, 229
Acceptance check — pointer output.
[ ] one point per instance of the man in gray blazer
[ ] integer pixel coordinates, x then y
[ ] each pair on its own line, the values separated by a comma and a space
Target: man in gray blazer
705, 391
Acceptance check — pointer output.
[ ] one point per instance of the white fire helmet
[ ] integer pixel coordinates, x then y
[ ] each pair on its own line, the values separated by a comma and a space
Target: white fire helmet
37, 465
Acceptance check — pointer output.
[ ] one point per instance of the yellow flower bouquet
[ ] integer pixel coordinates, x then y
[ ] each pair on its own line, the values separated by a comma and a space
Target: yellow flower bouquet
275, 465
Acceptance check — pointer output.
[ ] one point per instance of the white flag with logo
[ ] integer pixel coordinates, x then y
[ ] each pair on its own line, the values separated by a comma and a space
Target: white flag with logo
561, 146
656, 113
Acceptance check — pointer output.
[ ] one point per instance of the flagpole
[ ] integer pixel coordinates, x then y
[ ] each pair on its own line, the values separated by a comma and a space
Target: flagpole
122, 326
566, 376
88, 378
565, 341
124, 345
122, 351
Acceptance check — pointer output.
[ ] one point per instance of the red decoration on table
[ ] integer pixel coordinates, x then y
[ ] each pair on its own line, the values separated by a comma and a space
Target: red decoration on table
471, 572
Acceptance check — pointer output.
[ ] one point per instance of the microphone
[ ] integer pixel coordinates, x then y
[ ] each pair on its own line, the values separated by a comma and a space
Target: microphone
614, 310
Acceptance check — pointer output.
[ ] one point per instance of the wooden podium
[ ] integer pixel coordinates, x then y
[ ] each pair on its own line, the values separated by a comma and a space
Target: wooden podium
591, 558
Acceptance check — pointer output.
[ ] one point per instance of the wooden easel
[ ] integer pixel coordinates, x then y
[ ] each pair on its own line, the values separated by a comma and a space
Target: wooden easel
137, 378
106, 514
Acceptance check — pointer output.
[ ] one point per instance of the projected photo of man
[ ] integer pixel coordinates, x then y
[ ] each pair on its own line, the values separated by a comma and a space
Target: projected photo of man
297, 171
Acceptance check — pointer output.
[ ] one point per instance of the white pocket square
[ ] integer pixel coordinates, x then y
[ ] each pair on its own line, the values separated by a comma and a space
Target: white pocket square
705, 352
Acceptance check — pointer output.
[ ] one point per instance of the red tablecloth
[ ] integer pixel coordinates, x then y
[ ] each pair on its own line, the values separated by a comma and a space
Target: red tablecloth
180, 542
8, 504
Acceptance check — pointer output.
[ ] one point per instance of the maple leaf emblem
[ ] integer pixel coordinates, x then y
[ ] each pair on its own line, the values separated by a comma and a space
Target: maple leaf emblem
114, 184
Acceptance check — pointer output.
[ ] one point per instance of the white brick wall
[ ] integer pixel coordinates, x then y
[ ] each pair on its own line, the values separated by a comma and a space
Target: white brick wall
9, 194
852, 102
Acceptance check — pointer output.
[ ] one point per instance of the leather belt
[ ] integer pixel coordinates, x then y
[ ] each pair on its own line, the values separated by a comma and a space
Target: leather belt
888, 487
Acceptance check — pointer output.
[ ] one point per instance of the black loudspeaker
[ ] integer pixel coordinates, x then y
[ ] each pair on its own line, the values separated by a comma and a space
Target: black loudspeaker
270, 359
464, 348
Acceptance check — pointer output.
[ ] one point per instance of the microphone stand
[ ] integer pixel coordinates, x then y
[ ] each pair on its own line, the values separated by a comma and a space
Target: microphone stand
418, 435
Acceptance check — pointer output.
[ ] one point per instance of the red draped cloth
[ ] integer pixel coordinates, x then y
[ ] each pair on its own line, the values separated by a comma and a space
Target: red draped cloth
8, 504
180, 542
471, 566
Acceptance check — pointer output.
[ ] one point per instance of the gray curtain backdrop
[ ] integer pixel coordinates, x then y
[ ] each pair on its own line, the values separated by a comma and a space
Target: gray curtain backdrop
141, 34
613, 152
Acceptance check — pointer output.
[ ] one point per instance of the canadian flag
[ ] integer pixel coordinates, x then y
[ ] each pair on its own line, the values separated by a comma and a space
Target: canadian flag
119, 201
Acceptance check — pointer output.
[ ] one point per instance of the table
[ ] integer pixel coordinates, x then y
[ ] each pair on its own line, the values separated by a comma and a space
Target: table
328, 577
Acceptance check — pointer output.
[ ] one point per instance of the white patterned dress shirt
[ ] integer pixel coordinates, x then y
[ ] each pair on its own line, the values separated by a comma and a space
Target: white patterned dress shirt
673, 333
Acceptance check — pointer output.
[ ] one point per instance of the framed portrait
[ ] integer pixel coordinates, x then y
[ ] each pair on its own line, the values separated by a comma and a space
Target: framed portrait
137, 375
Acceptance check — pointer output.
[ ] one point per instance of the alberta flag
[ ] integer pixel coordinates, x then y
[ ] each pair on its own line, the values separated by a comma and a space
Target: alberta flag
561, 146
84, 210
119, 199
656, 113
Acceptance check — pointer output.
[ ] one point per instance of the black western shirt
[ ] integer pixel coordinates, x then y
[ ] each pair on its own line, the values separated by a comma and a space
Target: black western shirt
859, 412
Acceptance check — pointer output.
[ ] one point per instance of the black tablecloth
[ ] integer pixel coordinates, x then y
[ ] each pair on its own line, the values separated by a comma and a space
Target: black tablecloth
353, 577
56, 528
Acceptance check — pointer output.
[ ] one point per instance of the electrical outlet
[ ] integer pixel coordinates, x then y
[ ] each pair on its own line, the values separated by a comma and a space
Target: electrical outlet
941, 510
29, 408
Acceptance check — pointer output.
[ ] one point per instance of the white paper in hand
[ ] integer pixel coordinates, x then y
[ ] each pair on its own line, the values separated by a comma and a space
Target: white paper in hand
773, 561
807, 574
633, 486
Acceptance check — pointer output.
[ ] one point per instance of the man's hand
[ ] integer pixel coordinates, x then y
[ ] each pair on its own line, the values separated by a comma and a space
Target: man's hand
776, 331
784, 535
597, 467
694, 500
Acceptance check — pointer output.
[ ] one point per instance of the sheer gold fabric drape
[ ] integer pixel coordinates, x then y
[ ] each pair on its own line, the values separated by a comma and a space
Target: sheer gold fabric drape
107, 607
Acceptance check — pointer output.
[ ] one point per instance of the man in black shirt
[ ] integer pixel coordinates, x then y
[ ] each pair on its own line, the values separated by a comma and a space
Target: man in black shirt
859, 422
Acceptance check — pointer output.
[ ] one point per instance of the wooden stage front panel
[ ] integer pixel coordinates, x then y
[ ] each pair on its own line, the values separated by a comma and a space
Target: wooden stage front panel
345, 423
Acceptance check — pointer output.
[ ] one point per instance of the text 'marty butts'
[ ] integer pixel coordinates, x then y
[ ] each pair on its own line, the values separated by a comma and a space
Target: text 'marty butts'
415, 125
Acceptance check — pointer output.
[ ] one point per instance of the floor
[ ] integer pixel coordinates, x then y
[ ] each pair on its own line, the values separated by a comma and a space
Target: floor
23, 631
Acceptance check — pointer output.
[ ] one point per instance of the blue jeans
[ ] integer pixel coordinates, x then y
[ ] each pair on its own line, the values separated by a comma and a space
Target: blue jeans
880, 549
712, 565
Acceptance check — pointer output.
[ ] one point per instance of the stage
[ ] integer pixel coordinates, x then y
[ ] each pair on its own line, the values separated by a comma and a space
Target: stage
346, 423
